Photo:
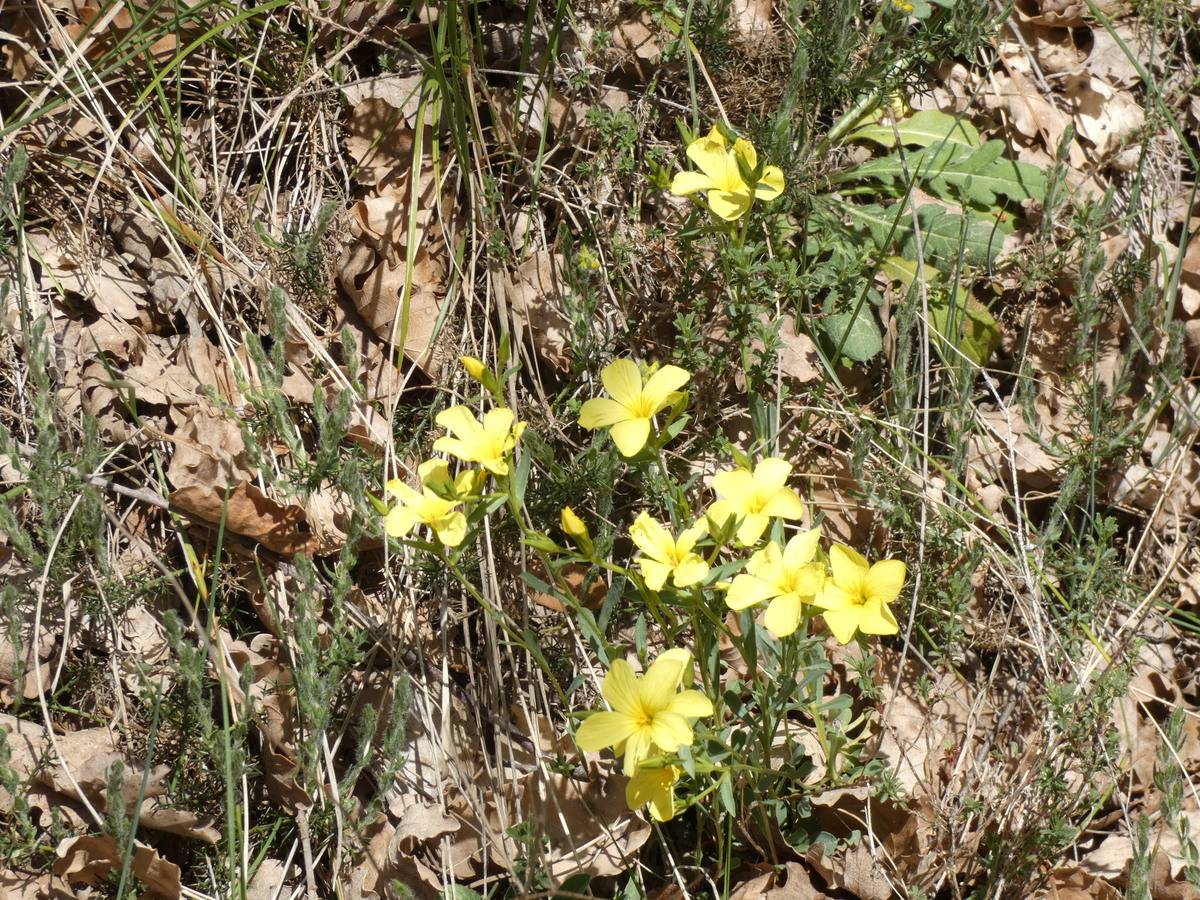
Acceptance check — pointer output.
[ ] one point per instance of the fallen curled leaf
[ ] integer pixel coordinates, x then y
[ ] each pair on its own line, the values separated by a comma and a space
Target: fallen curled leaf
91, 859
376, 287
379, 141
1006, 442
535, 292
590, 594
419, 823
20, 656
586, 824
635, 38
794, 883
249, 512
267, 882
1073, 883
97, 279
750, 18
1104, 116
209, 450
89, 754
22, 885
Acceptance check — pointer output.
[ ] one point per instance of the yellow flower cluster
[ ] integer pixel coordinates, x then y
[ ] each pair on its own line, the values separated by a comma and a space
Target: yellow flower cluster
444, 499
791, 579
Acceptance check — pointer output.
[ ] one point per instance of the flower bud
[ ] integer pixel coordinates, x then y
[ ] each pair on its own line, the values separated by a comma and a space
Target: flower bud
572, 525
474, 366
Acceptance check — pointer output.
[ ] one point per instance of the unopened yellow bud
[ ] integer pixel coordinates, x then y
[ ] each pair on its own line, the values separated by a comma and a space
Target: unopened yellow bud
475, 367
572, 525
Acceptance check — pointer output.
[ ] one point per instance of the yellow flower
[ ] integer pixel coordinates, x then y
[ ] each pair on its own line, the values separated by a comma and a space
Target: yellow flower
424, 507
646, 712
488, 444
633, 404
664, 557
656, 787
788, 578
572, 525
754, 498
435, 475
728, 194
856, 598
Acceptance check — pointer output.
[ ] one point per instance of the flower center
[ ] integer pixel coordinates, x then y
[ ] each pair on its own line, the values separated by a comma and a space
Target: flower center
642, 408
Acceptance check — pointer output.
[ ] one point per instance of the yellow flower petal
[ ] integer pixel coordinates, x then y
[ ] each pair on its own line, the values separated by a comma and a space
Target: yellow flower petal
728, 205
876, 618
631, 435
783, 615
733, 483
691, 704
842, 623
671, 731
654, 573
461, 422
451, 530
601, 413
848, 566
464, 450
656, 788
884, 580
620, 687
399, 521
623, 381
771, 474
833, 597
709, 154
784, 504
604, 729
684, 658
770, 185
747, 591
692, 570
658, 685
497, 423
685, 183
751, 529
767, 563
651, 538
801, 548
637, 748
745, 151
662, 384
397, 487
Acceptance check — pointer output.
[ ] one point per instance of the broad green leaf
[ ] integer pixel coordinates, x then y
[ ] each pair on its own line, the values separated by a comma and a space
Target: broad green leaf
956, 316
925, 129
856, 333
942, 233
980, 176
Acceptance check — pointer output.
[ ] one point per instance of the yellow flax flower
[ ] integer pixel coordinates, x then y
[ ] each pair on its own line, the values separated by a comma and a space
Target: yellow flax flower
631, 405
857, 595
665, 557
728, 194
788, 578
424, 507
474, 366
488, 444
754, 498
655, 787
647, 712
